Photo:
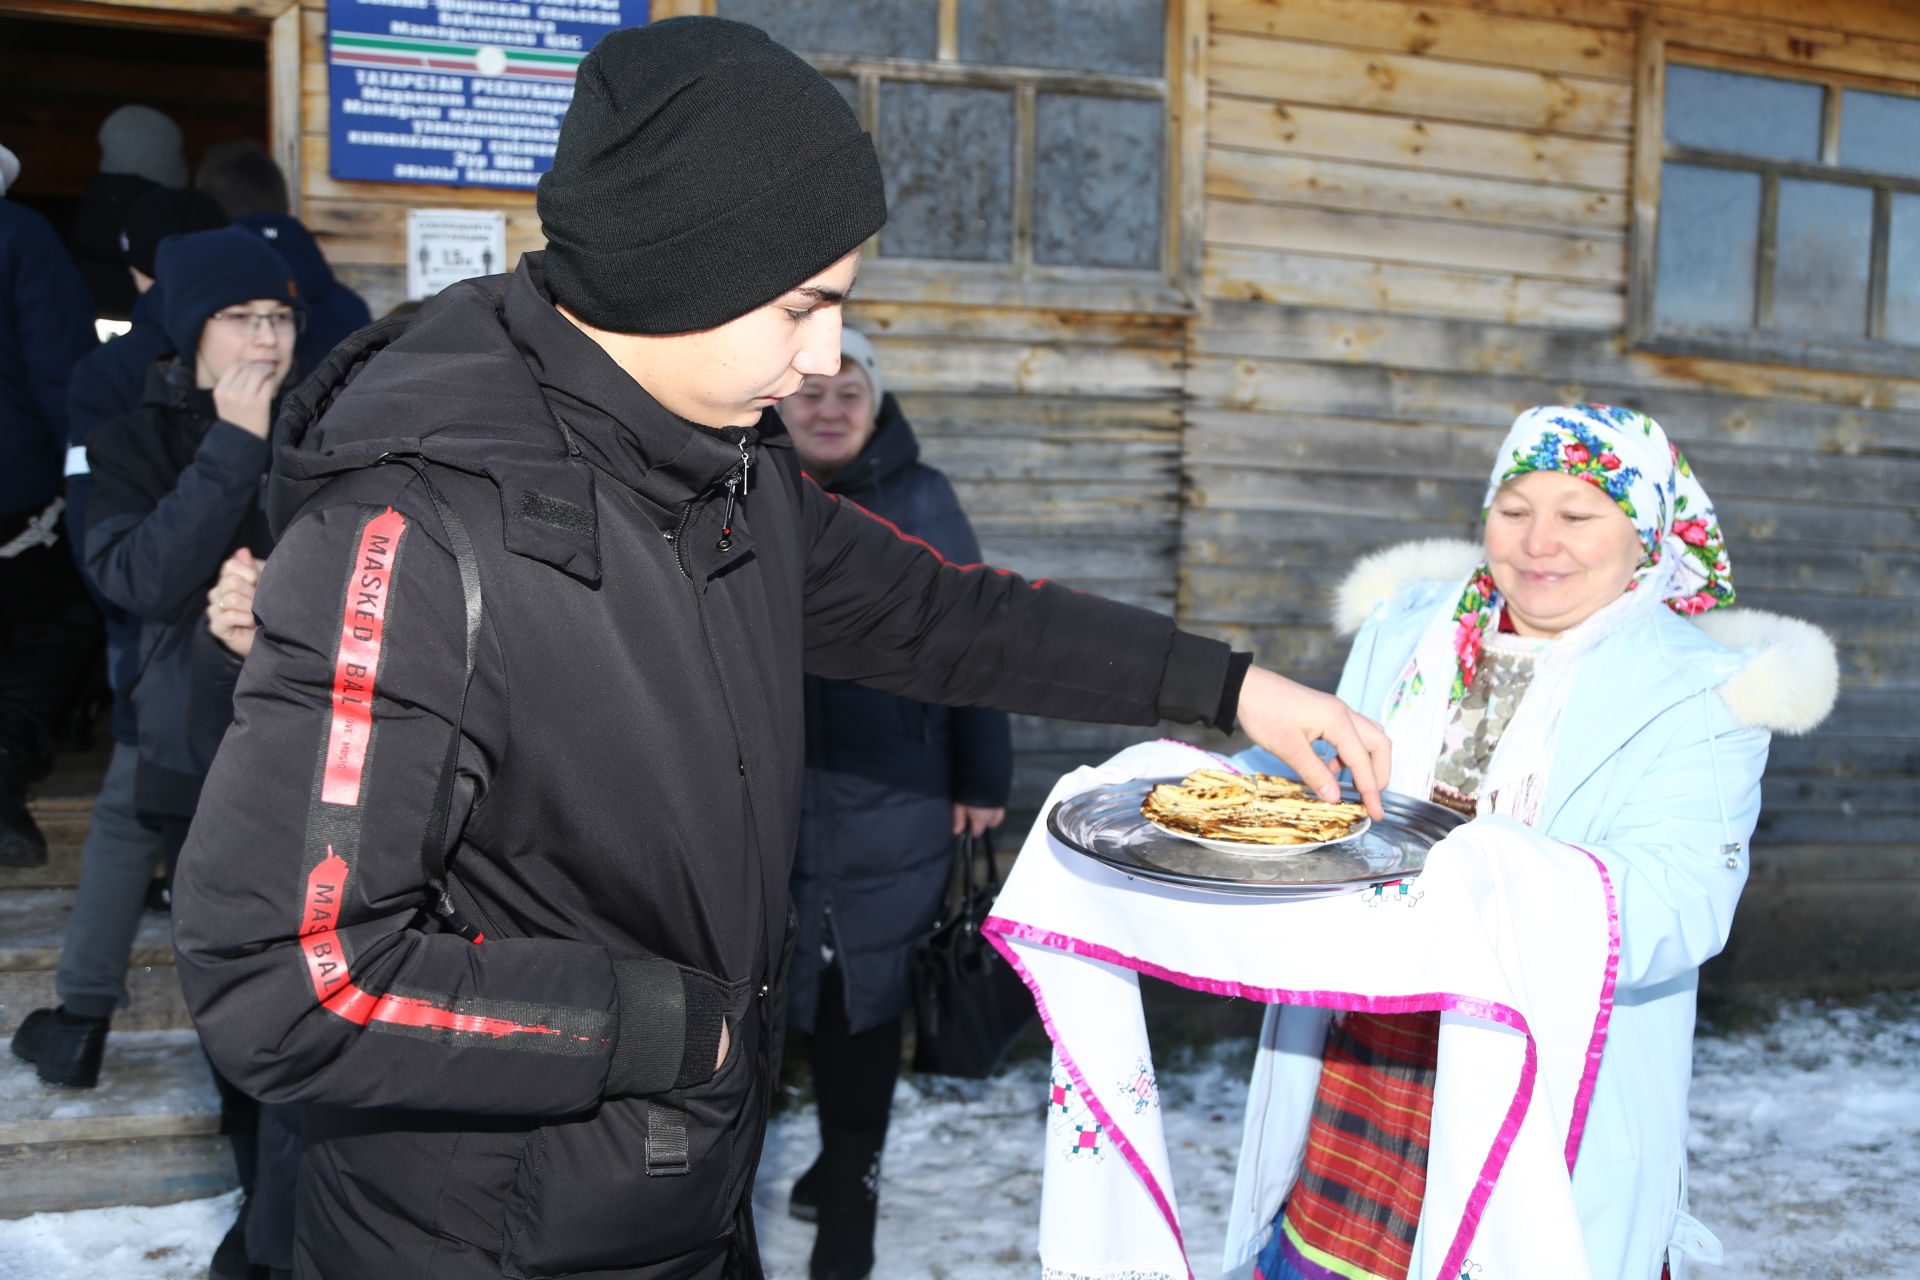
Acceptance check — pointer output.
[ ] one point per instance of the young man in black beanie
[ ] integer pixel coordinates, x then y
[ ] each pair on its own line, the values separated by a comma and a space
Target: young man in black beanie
520, 934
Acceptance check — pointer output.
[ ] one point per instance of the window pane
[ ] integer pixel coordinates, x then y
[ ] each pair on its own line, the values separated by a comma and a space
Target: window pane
1096, 184
1709, 229
849, 89
1820, 272
1753, 115
1880, 132
1125, 37
948, 156
882, 28
1903, 271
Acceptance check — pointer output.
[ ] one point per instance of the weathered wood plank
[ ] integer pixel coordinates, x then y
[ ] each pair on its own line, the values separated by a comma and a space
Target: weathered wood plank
1837, 755
1013, 458
1431, 31
921, 365
1252, 66
1854, 47
1056, 417
1834, 435
1148, 558
1877, 796
1350, 284
1296, 128
1014, 324
1373, 188
1419, 241
1466, 346
1440, 449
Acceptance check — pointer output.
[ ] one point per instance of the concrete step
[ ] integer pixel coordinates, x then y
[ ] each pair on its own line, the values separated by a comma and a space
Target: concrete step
33, 922
149, 1134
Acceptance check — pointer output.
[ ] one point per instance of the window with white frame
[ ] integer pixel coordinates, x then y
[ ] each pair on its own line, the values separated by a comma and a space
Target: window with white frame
1789, 218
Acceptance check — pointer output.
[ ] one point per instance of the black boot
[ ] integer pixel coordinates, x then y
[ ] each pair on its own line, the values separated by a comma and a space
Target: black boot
849, 1190
65, 1049
804, 1201
21, 844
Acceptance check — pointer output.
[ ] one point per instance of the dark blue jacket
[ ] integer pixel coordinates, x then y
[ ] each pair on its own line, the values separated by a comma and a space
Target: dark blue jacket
176, 491
333, 310
106, 384
883, 773
46, 325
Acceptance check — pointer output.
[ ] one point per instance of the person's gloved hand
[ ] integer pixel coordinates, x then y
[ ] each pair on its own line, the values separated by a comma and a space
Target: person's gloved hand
1287, 718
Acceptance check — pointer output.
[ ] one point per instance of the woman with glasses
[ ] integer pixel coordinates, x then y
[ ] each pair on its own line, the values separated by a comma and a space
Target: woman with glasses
177, 490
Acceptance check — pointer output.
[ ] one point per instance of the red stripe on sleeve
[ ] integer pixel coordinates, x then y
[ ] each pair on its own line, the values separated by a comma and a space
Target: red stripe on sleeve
333, 984
357, 661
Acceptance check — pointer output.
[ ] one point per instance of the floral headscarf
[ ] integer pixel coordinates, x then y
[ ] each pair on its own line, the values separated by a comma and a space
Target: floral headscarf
1627, 456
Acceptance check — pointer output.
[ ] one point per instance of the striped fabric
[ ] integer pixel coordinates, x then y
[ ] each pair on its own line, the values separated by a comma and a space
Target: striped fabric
1353, 1213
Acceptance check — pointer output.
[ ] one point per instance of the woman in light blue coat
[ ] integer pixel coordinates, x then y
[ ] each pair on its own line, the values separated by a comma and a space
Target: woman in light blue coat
1536, 676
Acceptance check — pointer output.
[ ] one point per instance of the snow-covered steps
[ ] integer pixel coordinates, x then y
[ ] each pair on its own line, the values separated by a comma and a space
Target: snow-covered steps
63, 821
32, 924
149, 1134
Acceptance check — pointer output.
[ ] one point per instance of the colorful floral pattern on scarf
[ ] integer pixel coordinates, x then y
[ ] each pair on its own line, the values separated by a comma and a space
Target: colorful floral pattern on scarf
1626, 455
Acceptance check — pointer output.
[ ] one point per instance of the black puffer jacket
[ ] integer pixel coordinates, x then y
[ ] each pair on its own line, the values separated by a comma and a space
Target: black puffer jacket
883, 772
176, 490
545, 1103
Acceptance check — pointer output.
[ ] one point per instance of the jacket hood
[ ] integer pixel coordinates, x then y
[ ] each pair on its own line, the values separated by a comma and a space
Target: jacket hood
892, 450
296, 244
1788, 683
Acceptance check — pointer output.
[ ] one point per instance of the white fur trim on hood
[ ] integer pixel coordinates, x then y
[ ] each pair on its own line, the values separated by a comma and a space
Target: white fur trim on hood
1788, 685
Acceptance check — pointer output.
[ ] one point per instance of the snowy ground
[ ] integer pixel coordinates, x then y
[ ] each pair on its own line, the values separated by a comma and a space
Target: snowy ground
1806, 1159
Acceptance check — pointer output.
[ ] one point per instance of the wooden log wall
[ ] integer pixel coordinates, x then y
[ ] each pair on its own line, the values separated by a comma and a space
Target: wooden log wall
1061, 433
1417, 225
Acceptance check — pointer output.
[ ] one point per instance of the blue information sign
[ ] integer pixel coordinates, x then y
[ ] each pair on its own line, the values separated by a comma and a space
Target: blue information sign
457, 92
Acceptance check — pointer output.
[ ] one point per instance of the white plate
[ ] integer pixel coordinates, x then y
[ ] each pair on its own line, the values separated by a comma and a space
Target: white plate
1256, 849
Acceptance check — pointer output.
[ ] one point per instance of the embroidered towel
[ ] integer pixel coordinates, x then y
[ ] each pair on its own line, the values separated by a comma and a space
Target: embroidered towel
1511, 936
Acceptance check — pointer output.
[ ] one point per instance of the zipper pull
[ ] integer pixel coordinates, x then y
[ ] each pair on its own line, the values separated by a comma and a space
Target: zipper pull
736, 485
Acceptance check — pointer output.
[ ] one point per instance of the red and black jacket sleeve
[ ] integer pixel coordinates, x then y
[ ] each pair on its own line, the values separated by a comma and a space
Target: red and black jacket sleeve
887, 610
308, 950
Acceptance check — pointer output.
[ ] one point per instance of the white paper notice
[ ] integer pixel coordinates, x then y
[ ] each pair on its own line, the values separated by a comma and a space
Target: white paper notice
445, 246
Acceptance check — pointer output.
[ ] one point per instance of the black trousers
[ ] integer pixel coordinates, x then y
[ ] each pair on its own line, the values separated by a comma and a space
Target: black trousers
50, 639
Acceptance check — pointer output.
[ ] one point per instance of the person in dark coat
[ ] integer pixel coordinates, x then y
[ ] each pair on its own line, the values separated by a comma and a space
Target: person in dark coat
177, 490
890, 782
49, 634
141, 149
491, 870
248, 184
108, 382
177, 484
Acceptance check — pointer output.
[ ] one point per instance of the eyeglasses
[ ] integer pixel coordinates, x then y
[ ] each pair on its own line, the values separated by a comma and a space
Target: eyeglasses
279, 323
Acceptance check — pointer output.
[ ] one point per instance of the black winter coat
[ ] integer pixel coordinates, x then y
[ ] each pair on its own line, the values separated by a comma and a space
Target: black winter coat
883, 772
108, 382
176, 490
46, 327
542, 1100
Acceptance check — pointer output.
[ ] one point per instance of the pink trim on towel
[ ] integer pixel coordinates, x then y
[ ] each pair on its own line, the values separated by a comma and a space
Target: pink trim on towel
1099, 1108
1597, 1044
999, 928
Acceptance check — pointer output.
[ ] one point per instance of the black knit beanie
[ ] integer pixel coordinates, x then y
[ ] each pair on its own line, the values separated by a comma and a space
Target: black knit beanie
702, 171
208, 271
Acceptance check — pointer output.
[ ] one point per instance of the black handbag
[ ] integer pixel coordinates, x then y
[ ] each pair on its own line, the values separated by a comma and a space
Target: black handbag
969, 1006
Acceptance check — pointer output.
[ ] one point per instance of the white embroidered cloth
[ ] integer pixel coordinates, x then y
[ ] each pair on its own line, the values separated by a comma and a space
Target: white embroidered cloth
1512, 936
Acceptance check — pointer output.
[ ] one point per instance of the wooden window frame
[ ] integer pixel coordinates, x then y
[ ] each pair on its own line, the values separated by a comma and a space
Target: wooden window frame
1170, 290
1873, 354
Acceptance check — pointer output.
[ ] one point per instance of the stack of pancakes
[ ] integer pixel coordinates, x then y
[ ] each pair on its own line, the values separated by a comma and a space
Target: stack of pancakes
1254, 808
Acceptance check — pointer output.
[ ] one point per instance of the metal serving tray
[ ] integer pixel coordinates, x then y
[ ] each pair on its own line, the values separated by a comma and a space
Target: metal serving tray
1105, 824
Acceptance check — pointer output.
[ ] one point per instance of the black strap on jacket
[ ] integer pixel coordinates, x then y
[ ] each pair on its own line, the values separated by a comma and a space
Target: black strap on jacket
433, 842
